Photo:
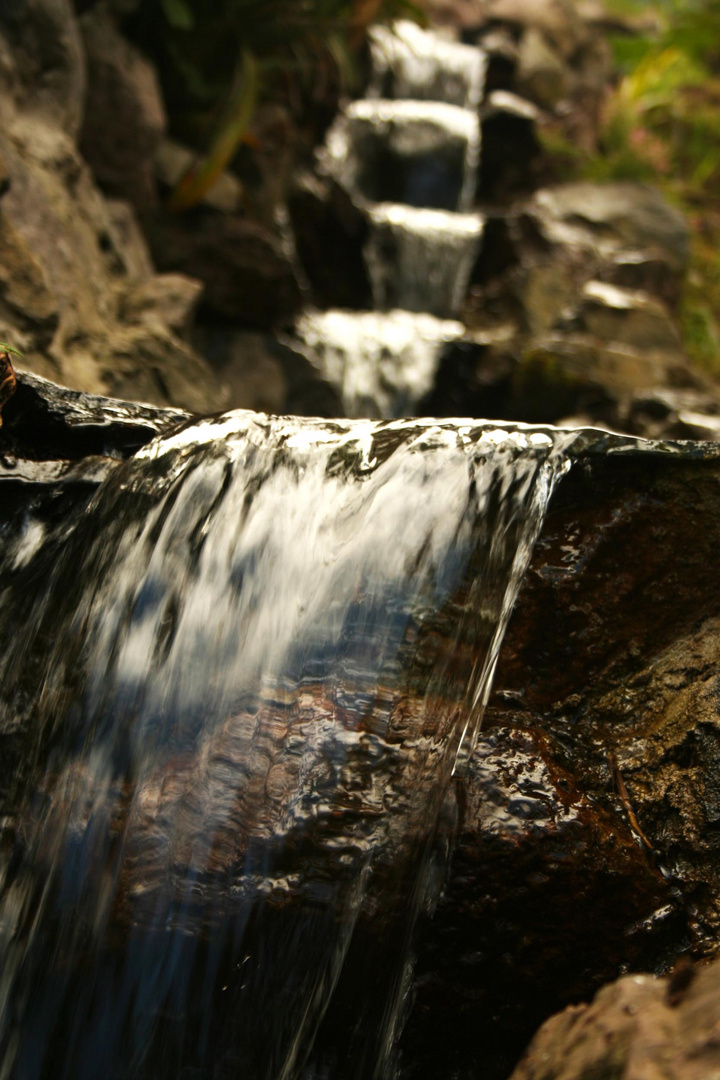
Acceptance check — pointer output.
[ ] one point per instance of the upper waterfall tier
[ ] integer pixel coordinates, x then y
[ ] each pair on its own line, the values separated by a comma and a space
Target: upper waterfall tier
412, 63
421, 260
423, 153
381, 363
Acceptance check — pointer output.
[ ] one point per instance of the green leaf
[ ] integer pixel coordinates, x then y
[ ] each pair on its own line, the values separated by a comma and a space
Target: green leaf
9, 348
178, 14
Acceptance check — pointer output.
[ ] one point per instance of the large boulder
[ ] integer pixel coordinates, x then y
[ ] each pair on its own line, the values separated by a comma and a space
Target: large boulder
638, 1026
591, 800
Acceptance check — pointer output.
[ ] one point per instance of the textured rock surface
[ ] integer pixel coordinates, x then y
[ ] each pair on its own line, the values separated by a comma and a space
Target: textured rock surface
124, 115
67, 258
265, 373
591, 802
639, 1026
246, 273
42, 68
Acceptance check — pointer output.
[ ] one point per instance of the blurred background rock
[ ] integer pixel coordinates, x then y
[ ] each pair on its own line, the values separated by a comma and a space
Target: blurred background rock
164, 220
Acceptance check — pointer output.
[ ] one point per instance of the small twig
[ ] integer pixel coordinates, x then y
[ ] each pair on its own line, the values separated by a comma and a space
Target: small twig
625, 800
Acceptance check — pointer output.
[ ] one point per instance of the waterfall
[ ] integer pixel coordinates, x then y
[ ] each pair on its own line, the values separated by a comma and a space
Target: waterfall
385, 361
410, 63
246, 675
421, 260
423, 153
408, 155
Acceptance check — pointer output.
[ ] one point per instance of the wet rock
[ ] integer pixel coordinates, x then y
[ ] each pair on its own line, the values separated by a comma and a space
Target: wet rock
266, 374
330, 234
247, 274
47, 422
541, 73
597, 758
510, 148
171, 299
503, 944
630, 669
42, 69
124, 117
638, 1025
591, 799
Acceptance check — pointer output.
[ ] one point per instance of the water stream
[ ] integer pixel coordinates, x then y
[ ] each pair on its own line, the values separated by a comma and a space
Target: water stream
408, 155
248, 674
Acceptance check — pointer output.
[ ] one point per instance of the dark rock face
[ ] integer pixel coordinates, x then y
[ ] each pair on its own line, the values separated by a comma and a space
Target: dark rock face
124, 116
265, 373
330, 233
46, 422
510, 148
246, 274
590, 803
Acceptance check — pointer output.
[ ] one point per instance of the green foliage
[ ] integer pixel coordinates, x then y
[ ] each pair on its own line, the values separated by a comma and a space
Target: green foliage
9, 349
662, 125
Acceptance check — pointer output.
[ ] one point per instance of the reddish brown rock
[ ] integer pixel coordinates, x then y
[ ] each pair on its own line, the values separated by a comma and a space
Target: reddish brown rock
8, 381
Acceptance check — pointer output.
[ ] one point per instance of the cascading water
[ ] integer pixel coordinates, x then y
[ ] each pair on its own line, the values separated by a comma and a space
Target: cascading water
413, 64
258, 657
408, 155
421, 260
378, 360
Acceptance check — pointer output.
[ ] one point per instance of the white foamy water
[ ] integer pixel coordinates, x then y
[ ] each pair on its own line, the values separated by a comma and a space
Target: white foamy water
425, 153
409, 62
382, 363
421, 260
